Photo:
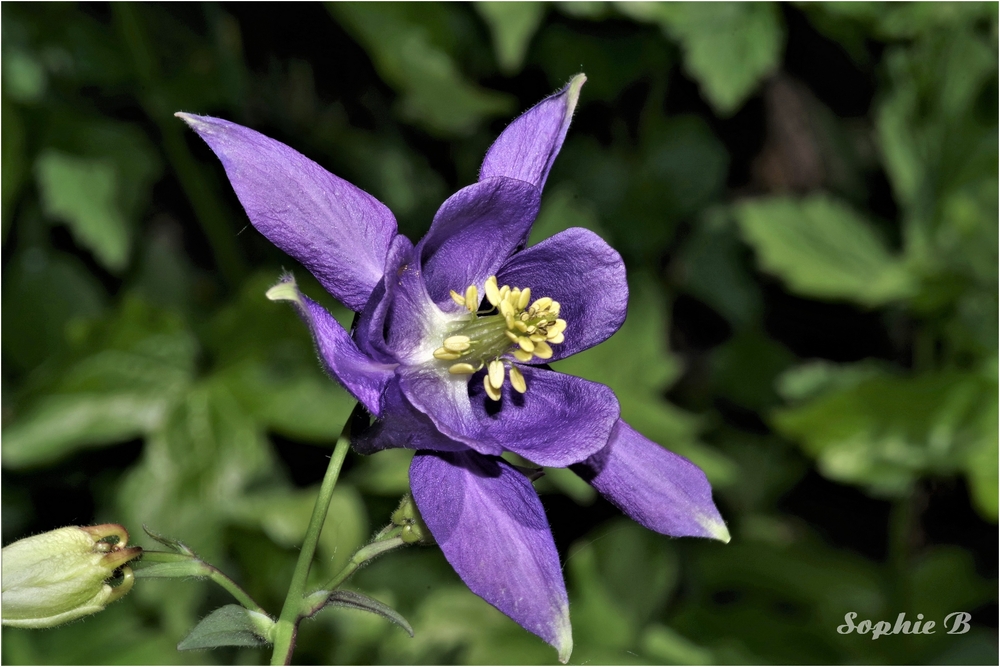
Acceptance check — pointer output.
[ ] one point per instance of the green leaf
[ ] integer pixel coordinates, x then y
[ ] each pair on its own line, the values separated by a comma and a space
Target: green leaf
42, 293
284, 515
728, 69
83, 192
14, 167
59, 425
404, 50
512, 25
883, 432
821, 248
667, 647
231, 625
353, 600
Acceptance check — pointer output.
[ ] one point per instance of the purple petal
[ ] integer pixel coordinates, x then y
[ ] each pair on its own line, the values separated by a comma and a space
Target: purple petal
490, 525
560, 420
585, 275
529, 145
337, 231
402, 425
473, 233
364, 378
655, 487
370, 331
444, 398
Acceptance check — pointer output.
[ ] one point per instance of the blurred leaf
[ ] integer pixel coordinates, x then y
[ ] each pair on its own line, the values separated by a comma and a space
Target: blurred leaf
14, 159
453, 625
195, 469
615, 558
745, 366
62, 424
87, 642
43, 292
611, 61
715, 271
81, 192
433, 90
113, 395
353, 600
512, 25
667, 647
24, 77
284, 515
386, 473
231, 625
885, 431
821, 248
729, 69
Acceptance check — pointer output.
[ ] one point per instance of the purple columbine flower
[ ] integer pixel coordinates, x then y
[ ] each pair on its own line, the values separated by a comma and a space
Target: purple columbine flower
450, 349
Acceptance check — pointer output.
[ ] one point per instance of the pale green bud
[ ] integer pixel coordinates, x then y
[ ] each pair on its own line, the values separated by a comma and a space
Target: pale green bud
408, 518
62, 575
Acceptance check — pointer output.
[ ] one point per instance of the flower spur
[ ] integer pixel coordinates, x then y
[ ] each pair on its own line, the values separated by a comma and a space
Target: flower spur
450, 347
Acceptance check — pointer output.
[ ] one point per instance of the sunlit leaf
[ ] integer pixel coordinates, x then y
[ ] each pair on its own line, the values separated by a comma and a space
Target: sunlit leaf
433, 90
512, 25
821, 248
82, 192
728, 69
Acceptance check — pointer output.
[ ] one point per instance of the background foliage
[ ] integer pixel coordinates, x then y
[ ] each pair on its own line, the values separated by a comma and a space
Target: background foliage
805, 196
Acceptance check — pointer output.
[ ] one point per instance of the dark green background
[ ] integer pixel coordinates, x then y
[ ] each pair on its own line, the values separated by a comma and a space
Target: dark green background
805, 196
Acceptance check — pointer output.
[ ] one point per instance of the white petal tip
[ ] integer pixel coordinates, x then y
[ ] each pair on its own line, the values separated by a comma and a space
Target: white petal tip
564, 640
717, 530
573, 94
284, 291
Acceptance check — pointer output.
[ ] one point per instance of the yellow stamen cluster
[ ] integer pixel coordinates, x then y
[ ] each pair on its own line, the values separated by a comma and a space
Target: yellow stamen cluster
523, 328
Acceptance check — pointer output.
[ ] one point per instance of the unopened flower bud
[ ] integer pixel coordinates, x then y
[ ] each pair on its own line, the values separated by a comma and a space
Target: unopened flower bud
408, 518
63, 574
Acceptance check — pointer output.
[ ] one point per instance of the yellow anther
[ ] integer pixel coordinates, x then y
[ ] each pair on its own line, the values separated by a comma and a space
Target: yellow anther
504, 291
511, 335
457, 343
492, 291
542, 350
445, 355
520, 326
558, 338
463, 369
491, 391
517, 380
542, 304
526, 344
458, 298
472, 298
521, 355
557, 327
524, 298
496, 373
506, 309
554, 308
510, 321
536, 338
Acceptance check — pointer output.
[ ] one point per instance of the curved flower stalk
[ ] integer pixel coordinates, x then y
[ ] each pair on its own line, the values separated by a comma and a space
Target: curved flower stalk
449, 352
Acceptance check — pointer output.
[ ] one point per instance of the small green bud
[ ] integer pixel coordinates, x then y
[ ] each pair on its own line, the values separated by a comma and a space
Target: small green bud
62, 575
408, 518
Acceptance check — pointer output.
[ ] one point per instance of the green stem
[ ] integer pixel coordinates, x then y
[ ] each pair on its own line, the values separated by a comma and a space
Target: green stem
287, 626
207, 570
391, 541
